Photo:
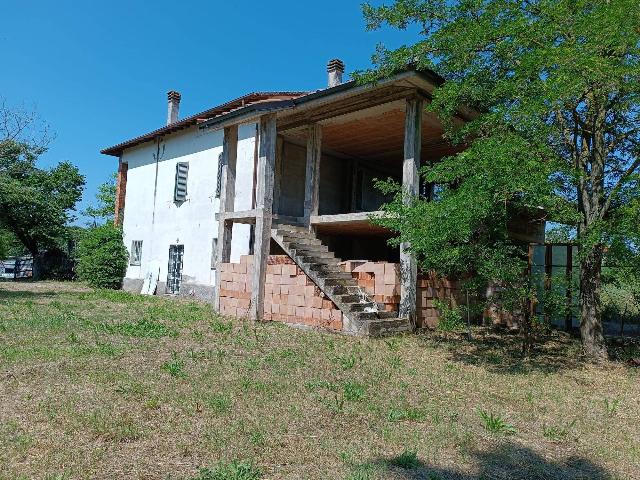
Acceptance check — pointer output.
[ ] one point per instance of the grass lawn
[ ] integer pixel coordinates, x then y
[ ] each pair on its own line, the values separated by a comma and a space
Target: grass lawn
102, 384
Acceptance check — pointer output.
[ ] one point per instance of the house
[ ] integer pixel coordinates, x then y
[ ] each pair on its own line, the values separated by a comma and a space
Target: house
252, 204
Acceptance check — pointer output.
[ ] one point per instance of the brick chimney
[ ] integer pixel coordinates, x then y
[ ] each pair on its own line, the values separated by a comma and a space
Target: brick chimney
335, 68
174, 106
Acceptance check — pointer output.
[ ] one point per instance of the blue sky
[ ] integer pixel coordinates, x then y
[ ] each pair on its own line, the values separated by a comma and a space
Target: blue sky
98, 72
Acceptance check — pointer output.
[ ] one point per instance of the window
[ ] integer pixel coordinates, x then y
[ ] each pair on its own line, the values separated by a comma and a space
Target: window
136, 252
219, 178
214, 253
182, 171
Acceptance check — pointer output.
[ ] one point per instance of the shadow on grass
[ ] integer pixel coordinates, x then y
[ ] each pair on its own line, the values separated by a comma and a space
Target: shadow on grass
502, 351
26, 294
508, 461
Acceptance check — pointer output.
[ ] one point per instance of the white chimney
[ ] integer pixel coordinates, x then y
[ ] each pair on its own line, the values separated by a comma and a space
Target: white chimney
174, 106
335, 68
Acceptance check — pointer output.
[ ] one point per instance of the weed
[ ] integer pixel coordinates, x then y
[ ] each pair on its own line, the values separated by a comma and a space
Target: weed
353, 391
395, 361
450, 317
220, 326
408, 460
363, 471
410, 414
175, 366
219, 403
558, 432
611, 406
495, 423
257, 438
234, 470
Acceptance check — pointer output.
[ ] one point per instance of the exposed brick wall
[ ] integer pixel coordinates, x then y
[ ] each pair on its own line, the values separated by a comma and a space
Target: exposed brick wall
121, 190
381, 280
290, 295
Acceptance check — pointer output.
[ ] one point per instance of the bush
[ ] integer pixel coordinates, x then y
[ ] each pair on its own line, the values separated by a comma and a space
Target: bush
102, 257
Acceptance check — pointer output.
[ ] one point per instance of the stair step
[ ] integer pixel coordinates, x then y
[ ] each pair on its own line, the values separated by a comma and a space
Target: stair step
299, 240
318, 257
311, 249
382, 314
380, 328
359, 307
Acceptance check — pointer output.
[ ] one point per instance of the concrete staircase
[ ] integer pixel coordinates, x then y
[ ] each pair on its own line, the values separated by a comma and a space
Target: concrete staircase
361, 315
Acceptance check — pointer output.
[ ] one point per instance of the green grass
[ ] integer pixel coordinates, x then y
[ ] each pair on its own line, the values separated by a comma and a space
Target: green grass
97, 383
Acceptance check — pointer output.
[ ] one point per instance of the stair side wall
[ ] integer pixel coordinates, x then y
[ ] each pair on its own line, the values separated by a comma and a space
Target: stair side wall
290, 295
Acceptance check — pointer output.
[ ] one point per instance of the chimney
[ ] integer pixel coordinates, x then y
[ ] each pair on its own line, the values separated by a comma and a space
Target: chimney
174, 105
335, 68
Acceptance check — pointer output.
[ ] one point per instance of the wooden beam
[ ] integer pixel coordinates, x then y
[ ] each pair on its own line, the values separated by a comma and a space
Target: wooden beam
264, 211
410, 185
312, 176
227, 198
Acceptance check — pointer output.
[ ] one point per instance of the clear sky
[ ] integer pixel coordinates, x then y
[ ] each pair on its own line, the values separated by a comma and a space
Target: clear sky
98, 72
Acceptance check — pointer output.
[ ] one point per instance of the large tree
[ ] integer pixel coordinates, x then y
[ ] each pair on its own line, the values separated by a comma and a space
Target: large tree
557, 87
35, 203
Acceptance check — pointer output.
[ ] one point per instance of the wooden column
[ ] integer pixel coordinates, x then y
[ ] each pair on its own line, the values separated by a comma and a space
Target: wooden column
312, 176
264, 210
410, 185
227, 198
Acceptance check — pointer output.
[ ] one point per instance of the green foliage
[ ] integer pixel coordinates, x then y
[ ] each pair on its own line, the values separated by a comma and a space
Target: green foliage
556, 89
103, 210
495, 423
450, 317
102, 257
234, 470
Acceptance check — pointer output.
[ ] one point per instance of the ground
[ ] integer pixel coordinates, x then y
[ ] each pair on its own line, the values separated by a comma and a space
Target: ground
103, 384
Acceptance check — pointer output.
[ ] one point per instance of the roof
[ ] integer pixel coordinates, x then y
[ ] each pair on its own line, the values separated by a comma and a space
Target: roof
223, 109
262, 102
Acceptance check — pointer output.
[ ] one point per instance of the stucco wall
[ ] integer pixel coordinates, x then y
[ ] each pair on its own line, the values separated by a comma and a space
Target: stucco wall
157, 220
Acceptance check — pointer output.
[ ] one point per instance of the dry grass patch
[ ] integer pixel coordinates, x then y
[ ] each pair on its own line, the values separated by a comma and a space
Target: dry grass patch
100, 384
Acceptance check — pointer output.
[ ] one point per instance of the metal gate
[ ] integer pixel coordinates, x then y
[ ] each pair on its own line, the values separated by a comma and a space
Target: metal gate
174, 271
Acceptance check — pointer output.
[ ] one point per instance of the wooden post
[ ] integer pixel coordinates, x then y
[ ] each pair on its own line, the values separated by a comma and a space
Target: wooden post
264, 210
312, 177
227, 198
410, 185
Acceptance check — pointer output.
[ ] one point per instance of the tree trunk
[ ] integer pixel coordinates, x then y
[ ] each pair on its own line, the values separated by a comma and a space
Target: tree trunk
590, 308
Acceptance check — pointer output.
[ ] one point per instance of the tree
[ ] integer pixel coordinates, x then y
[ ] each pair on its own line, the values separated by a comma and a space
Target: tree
105, 205
102, 256
557, 85
35, 203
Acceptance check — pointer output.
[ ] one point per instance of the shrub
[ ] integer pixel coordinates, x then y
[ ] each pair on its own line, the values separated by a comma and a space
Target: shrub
102, 257
450, 317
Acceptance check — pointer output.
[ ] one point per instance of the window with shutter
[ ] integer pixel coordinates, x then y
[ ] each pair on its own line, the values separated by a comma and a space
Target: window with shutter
182, 172
214, 253
136, 252
219, 178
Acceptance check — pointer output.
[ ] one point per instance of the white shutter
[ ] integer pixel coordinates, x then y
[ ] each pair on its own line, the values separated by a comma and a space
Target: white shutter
182, 172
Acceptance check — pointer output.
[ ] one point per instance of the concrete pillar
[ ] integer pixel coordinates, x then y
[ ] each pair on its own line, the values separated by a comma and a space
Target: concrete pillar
410, 185
264, 210
227, 197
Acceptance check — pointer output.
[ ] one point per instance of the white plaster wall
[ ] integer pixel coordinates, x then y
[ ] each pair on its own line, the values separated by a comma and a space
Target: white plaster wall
160, 222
